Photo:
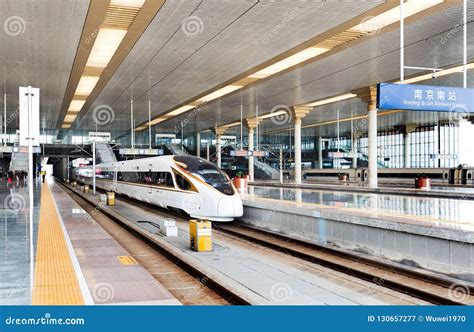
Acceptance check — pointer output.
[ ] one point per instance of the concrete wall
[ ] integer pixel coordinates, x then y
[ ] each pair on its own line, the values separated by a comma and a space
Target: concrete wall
392, 241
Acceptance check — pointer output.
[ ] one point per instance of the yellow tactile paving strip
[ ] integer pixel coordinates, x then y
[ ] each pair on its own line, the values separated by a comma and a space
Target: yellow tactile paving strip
55, 281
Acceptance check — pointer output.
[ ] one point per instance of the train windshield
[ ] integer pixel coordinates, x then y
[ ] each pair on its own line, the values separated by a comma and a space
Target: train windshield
206, 171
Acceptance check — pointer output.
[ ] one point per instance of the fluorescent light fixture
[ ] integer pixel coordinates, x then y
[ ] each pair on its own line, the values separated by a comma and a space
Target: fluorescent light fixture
371, 24
105, 45
219, 93
331, 100
180, 110
70, 118
76, 105
233, 124
141, 128
271, 115
127, 3
291, 61
411, 7
426, 77
158, 120
86, 85
66, 125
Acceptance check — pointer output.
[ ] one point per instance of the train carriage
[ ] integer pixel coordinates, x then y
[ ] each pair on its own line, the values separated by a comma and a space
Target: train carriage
184, 183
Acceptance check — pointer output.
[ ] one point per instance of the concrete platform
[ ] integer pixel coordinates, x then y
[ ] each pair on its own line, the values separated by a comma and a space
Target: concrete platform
432, 233
105, 272
436, 191
261, 277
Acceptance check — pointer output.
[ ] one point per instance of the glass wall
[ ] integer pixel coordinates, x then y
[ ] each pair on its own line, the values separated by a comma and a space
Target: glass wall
430, 146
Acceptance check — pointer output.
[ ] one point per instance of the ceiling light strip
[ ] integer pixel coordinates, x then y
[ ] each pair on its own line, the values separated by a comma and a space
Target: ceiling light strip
362, 29
118, 18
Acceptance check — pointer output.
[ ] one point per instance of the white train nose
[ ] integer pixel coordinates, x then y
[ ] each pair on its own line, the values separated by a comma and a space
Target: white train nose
230, 207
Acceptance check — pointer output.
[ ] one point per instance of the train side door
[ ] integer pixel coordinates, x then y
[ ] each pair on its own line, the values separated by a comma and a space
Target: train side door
150, 178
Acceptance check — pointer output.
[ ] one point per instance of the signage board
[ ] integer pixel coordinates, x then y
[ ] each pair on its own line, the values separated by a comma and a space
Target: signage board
260, 153
24, 149
239, 153
341, 155
29, 130
424, 98
100, 136
144, 152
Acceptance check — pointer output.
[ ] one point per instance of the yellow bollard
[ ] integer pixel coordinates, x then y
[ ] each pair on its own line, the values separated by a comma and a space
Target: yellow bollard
111, 198
200, 232
86, 189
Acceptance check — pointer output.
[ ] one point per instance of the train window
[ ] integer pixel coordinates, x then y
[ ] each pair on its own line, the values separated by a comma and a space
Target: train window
182, 183
130, 176
119, 176
146, 177
160, 178
169, 180
208, 172
204, 169
105, 175
163, 179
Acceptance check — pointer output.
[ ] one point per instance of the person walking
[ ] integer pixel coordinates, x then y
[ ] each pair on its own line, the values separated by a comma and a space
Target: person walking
43, 174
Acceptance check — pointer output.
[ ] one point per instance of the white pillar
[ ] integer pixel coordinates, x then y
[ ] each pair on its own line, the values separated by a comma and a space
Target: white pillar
4, 119
372, 110
251, 158
297, 150
354, 150
149, 124
218, 151
320, 152
219, 132
406, 150
252, 123
281, 163
93, 167
369, 96
198, 144
132, 125
298, 113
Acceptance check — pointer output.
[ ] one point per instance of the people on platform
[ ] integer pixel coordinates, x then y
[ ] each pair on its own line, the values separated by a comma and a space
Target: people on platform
16, 176
43, 174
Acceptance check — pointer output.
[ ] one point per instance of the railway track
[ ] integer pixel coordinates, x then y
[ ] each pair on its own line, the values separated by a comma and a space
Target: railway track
413, 283
189, 286
428, 288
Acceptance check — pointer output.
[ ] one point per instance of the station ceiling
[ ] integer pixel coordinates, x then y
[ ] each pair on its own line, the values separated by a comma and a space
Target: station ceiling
173, 62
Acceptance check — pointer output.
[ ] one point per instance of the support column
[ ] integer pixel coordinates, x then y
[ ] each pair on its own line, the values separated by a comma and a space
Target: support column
252, 123
320, 152
93, 167
299, 112
219, 132
369, 95
409, 128
198, 144
373, 180
355, 149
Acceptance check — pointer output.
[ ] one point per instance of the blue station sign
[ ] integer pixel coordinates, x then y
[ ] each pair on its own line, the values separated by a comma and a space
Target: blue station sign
424, 98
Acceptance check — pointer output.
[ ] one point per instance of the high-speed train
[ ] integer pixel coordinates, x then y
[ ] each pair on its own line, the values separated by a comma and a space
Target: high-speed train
185, 183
